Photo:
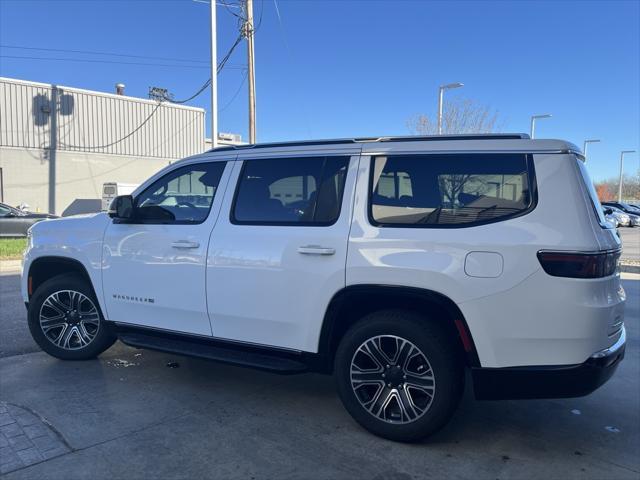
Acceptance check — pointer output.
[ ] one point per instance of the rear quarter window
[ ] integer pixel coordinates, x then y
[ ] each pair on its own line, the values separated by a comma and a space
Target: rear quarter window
452, 190
593, 195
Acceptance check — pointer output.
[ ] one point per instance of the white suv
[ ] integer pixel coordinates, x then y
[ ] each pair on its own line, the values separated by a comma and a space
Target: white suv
394, 263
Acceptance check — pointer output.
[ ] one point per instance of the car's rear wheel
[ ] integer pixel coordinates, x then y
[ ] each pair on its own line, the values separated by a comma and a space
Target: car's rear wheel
400, 376
65, 319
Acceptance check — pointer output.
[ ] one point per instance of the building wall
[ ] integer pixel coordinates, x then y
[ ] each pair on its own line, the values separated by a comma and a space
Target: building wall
59, 144
79, 175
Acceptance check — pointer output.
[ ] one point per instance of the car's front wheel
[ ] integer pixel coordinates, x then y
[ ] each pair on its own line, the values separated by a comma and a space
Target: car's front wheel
400, 376
65, 319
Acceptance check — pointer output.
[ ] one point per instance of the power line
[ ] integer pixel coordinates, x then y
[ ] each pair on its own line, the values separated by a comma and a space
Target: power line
292, 62
208, 82
153, 112
110, 62
144, 122
228, 8
235, 95
202, 89
95, 52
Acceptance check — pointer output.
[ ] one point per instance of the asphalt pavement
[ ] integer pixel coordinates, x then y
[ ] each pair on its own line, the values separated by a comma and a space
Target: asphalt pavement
15, 338
141, 414
630, 244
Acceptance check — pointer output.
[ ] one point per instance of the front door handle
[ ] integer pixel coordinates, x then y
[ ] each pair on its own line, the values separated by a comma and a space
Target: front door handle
316, 250
185, 244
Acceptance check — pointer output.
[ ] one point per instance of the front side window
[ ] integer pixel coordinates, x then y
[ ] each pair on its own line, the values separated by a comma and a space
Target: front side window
290, 191
183, 196
449, 190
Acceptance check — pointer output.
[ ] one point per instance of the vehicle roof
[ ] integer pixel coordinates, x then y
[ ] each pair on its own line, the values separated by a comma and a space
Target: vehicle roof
504, 142
477, 143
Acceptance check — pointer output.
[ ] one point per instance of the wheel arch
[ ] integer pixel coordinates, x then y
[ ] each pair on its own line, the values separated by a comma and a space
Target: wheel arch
354, 302
43, 268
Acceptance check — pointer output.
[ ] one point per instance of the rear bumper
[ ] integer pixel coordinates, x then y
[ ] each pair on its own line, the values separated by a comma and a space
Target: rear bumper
549, 381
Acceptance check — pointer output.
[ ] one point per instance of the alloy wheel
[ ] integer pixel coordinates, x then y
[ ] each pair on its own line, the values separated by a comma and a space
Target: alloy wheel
69, 319
392, 379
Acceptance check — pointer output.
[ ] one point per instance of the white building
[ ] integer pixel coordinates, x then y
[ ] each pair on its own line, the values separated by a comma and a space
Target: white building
58, 145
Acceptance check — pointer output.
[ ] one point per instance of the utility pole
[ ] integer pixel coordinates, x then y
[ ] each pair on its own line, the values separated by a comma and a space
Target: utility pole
621, 170
214, 78
249, 33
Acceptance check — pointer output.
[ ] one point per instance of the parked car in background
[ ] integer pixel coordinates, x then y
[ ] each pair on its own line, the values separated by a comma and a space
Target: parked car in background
111, 190
634, 219
624, 219
15, 222
611, 216
625, 207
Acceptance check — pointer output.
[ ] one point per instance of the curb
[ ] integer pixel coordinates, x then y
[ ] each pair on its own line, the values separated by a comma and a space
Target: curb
629, 268
10, 266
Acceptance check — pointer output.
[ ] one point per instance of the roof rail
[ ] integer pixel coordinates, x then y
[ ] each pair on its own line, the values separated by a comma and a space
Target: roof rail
341, 141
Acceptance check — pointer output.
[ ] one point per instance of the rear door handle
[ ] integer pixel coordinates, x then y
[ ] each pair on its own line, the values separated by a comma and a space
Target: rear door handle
316, 250
185, 244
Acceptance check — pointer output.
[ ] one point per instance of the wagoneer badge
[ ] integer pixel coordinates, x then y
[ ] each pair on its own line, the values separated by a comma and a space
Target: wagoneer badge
133, 299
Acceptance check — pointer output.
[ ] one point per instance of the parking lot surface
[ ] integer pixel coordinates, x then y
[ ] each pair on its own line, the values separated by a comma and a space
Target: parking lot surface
630, 244
142, 414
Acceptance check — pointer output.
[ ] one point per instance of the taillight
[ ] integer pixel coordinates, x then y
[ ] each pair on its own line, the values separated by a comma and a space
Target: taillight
579, 264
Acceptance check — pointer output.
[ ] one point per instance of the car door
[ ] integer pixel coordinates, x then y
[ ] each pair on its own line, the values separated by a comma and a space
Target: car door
277, 256
154, 266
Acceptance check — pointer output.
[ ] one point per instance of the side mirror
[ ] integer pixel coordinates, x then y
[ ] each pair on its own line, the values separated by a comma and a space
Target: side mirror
121, 208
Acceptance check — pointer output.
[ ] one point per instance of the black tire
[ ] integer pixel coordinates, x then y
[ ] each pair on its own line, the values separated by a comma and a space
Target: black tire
101, 337
444, 363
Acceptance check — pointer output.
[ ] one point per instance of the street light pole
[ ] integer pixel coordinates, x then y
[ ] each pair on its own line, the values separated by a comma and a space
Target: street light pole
441, 90
621, 169
586, 143
214, 78
533, 123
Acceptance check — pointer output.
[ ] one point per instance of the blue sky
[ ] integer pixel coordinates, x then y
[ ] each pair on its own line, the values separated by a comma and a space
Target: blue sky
359, 68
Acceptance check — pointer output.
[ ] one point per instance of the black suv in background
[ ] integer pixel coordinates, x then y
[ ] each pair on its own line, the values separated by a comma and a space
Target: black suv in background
625, 207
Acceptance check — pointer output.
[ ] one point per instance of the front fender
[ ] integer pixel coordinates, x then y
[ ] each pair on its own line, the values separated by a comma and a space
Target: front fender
77, 238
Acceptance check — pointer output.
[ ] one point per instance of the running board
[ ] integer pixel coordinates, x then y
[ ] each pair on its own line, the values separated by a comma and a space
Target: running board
234, 355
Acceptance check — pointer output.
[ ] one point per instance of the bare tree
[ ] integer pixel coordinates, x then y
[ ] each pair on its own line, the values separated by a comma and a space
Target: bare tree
608, 189
459, 116
451, 186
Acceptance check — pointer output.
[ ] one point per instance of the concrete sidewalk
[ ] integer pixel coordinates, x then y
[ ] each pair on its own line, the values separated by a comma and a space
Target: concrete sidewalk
10, 266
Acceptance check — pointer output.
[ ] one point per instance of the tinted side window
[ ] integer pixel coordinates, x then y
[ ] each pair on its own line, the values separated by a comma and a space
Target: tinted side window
184, 195
449, 190
290, 191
